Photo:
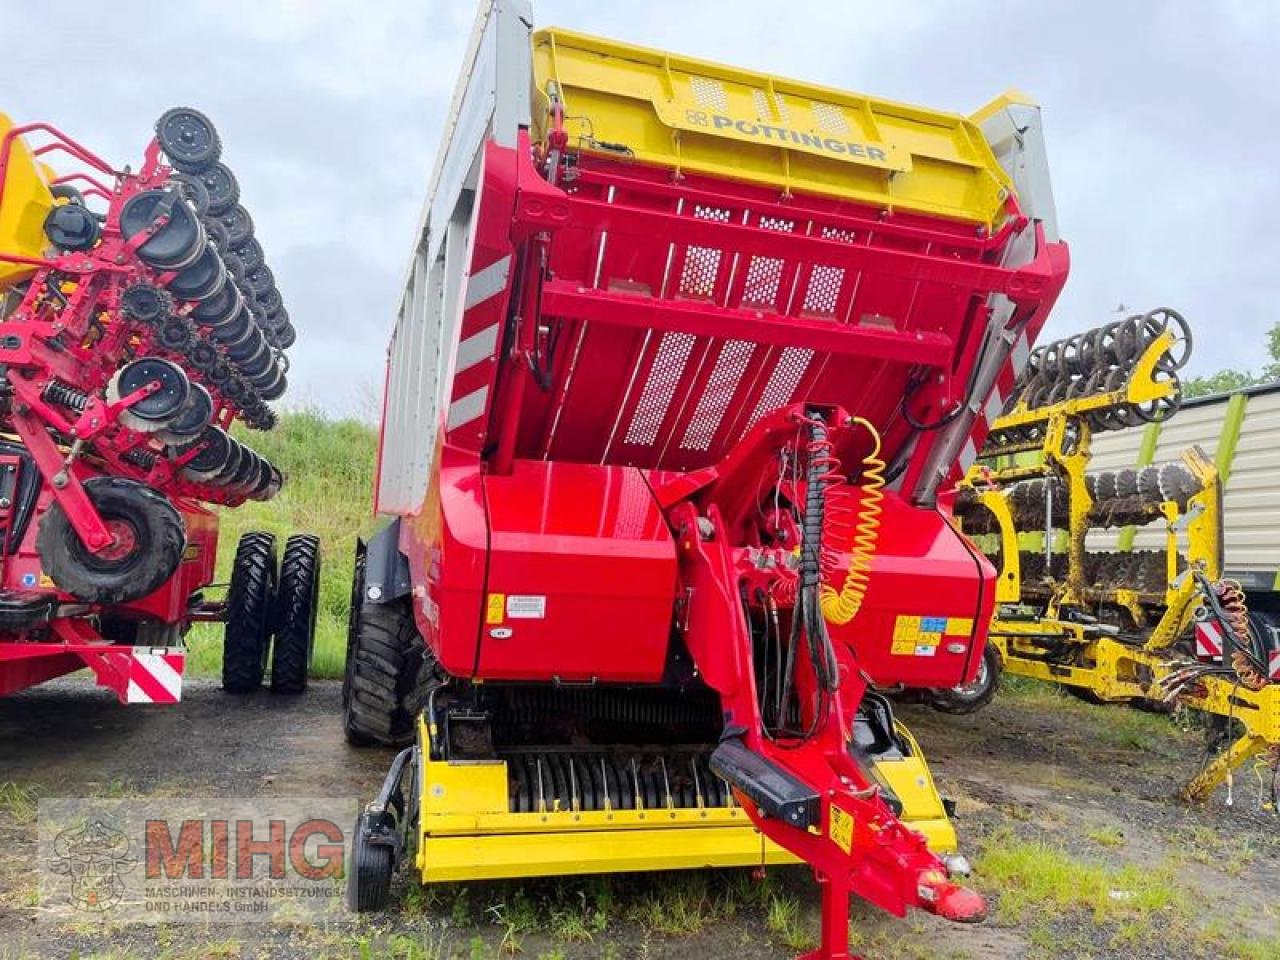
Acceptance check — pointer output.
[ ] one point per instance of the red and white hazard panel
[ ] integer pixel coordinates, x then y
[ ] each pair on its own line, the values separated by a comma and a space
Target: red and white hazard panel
155, 676
1208, 640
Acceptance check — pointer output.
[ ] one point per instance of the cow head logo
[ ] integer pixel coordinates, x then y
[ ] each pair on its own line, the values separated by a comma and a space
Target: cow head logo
94, 856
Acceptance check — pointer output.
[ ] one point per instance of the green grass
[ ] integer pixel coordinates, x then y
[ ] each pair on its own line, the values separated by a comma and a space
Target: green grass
785, 921
1038, 878
18, 801
1106, 836
328, 467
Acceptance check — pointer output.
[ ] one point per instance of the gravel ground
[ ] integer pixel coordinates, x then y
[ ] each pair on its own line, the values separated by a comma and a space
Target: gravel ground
1018, 771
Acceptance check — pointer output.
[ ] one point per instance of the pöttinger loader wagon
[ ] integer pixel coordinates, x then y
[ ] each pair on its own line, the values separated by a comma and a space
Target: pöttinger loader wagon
688, 360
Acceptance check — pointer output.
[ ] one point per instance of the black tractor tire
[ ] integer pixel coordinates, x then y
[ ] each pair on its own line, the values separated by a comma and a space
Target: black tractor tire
369, 879
384, 654
247, 639
147, 522
297, 603
972, 697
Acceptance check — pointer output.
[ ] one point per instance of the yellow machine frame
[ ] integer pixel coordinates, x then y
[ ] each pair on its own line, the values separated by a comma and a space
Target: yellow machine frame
466, 832
27, 201
693, 116
1107, 668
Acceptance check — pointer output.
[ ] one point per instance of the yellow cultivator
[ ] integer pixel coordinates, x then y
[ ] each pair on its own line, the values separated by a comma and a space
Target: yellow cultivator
1076, 604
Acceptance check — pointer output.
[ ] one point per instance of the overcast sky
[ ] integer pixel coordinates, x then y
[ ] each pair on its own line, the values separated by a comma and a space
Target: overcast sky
1161, 121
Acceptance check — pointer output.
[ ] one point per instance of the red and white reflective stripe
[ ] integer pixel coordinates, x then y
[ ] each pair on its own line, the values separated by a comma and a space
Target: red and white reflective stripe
1273, 665
155, 677
993, 406
1208, 640
478, 342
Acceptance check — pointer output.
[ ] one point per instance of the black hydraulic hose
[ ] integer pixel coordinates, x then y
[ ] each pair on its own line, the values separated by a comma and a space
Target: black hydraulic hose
821, 651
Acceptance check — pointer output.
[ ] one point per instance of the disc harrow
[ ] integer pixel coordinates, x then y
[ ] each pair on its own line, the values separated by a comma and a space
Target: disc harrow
164, 290
1130, 497
141, 325
1099, 364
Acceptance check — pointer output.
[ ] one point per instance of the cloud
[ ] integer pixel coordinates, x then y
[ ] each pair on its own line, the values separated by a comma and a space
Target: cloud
1158, 119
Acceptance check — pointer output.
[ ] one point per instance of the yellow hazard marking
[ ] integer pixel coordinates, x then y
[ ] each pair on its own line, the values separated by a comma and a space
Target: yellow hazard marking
46, 580
959, 626
497, 608
841, 828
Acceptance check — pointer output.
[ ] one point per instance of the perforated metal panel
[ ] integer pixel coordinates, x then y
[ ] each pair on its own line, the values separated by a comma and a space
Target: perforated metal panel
823, 291
659, 386
831, 118
764, 274
726, 376
783, 380
709, 93
702, 264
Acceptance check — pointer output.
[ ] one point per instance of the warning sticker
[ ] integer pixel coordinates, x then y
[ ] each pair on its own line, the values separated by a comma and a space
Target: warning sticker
918, 636
497, 604
841, 828
526, 606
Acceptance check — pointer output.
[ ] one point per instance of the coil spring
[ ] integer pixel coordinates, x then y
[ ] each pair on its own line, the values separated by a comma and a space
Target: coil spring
139, 458
66, 396
840, 606
1232, 600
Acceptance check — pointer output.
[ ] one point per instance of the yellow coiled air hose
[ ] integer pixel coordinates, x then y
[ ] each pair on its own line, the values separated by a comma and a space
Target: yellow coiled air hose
841, 606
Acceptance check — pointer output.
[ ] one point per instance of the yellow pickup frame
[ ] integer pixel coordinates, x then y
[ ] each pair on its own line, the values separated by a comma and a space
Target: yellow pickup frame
465, 831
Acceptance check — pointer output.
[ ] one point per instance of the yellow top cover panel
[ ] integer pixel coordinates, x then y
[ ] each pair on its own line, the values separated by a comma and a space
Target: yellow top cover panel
691, 115
23, 207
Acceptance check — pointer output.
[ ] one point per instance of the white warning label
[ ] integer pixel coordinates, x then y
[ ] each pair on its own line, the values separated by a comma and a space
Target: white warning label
526, 606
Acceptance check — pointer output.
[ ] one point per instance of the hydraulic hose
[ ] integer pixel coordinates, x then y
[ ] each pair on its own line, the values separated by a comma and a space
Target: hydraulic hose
842, 605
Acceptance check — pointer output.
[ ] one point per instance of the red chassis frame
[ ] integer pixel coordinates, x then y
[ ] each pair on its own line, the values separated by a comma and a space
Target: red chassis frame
659, 347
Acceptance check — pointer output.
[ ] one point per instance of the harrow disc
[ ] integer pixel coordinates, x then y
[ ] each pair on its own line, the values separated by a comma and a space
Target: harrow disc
286, 335
192, 419
222, 187
250, 254
175, 334
247, 348
239, 225
203, 279
174, 244
153, 411
145, 303
203, 355
260, 281
234, 330
270, 302
218, 308
217, 235
214, 446
193, 191
235, 453
189, 139
274, 387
